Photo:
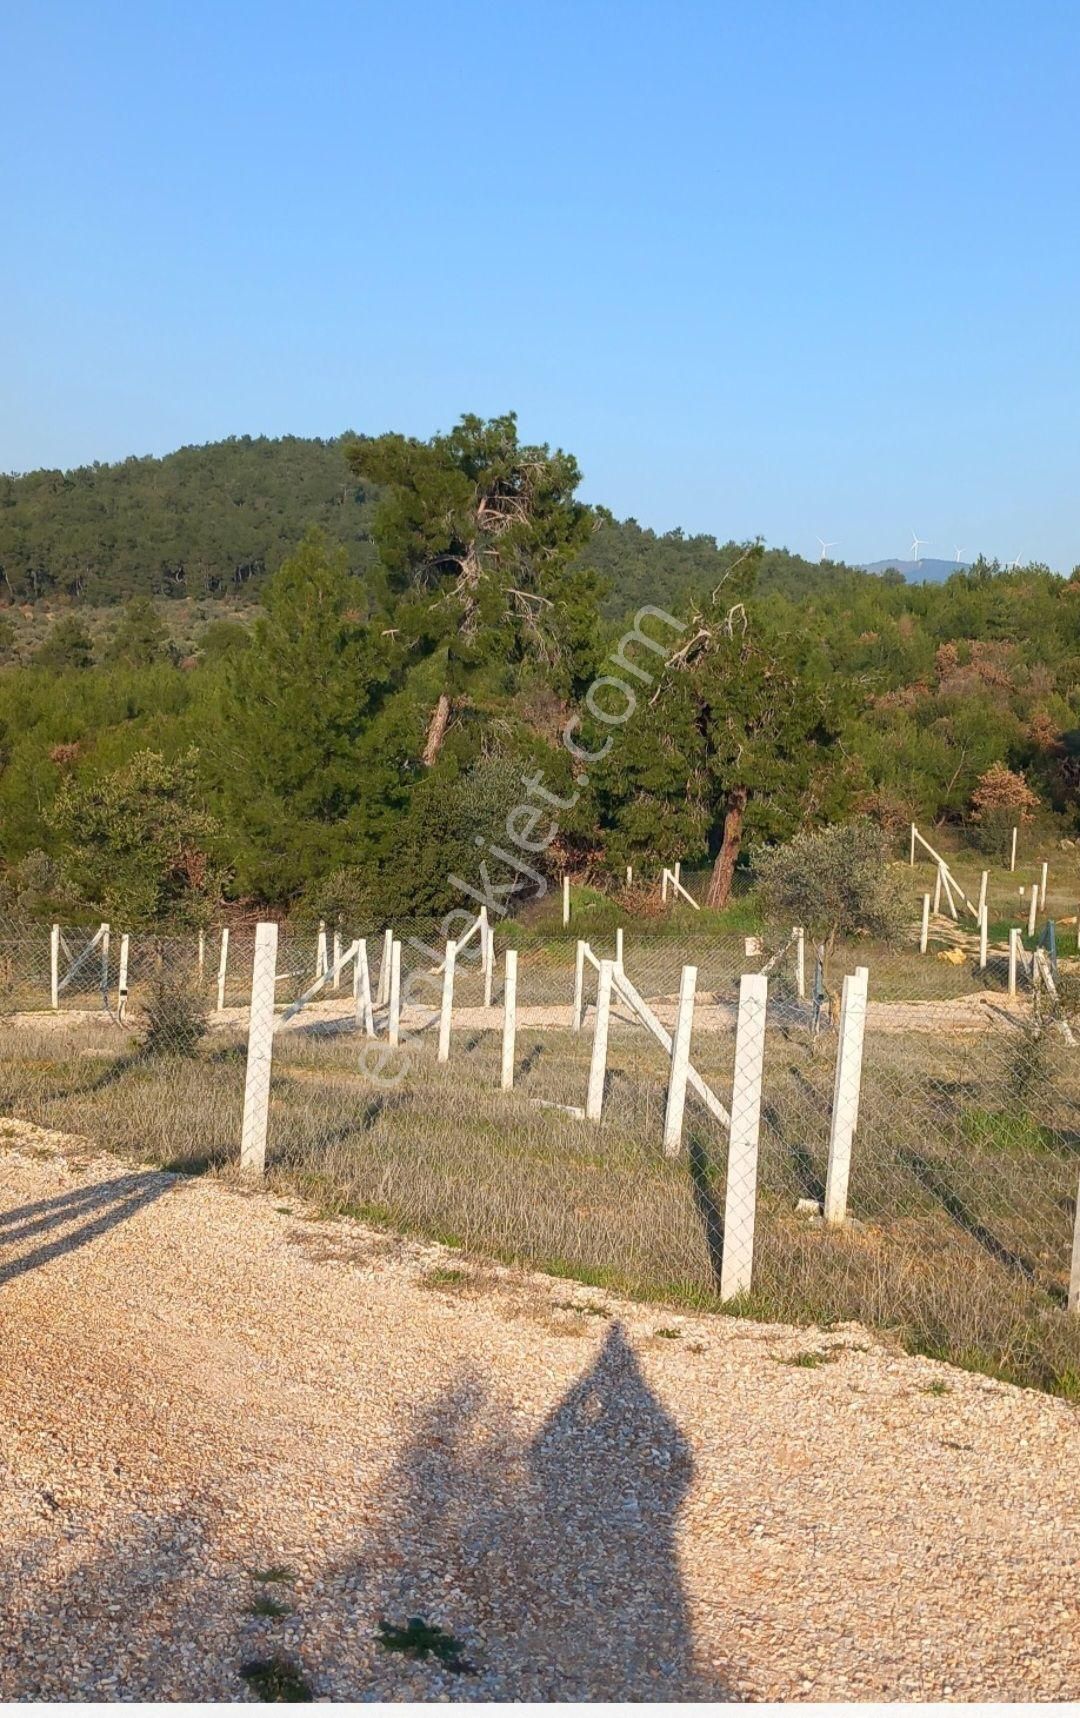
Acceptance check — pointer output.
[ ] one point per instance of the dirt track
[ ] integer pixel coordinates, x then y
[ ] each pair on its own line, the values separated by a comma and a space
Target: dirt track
982, 1011
596, 1499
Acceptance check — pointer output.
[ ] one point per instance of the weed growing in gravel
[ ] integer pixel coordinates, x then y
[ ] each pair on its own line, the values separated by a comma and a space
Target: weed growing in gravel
419, 1639
808, 1358
441, 1276
278, 1572
265, 1606
672, 1335
277, 1678
937, 1388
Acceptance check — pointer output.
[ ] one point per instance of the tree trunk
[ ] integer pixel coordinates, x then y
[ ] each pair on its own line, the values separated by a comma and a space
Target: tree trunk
436, 733
724, 867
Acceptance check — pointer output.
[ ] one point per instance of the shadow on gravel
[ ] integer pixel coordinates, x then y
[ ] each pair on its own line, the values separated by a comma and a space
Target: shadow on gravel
550, 1564
72, 1220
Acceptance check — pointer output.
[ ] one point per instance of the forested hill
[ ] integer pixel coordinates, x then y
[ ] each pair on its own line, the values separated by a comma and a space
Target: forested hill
218, 520
202, 699
203, 521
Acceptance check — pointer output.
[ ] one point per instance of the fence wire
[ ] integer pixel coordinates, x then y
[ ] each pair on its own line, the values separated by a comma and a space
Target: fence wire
904, 1155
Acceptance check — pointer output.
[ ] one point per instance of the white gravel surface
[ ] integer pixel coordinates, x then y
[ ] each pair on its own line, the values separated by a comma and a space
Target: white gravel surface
597, 1499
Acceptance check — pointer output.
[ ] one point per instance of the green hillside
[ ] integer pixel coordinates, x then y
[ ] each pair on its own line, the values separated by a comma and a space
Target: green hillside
215, 522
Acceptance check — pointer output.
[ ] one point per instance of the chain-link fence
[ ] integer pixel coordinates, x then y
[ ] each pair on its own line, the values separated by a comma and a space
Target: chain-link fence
893, 1139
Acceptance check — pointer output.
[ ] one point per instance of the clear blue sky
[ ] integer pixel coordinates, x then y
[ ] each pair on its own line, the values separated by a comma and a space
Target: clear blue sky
798, 269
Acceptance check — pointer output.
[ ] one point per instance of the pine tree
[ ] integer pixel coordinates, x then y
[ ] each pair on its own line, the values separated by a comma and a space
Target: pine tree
477, 533
299, 719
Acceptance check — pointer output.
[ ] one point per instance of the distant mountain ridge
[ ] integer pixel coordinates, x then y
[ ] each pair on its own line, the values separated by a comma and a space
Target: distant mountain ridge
925, 571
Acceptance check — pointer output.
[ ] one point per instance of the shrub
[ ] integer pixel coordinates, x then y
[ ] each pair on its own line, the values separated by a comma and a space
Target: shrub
1002, 800
176, 1016
835, 882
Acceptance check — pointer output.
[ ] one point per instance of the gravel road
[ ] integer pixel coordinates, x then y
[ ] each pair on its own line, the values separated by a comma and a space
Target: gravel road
201, 1388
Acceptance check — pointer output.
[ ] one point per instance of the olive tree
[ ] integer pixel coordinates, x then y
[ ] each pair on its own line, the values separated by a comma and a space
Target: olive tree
836, 882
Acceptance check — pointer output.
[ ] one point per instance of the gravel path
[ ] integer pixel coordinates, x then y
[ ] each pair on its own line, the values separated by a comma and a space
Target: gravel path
596, 1499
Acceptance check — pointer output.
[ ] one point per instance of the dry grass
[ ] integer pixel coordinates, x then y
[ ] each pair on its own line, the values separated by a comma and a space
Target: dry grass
963, 1182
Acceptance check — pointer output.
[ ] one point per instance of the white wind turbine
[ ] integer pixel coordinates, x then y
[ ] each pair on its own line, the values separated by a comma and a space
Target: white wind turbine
1011, 566
915, 543
825, 547
959, 551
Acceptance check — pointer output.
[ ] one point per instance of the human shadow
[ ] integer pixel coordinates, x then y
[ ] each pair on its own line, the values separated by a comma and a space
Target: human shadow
549, 1565
73, 1220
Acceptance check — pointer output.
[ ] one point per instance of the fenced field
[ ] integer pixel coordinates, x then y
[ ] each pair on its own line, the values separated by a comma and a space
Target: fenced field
961, 1113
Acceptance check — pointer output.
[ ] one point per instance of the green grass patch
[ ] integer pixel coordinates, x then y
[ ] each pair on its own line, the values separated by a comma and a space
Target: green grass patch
276, 1679
443, 1277
809, 1359
263, 1605
1016, 1134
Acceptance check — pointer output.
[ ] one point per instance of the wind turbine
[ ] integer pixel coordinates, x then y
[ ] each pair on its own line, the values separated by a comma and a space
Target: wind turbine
1011, 566
825, 547
959, 551
915, 542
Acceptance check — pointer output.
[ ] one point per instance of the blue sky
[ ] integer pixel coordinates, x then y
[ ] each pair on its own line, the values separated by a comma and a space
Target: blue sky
793, 269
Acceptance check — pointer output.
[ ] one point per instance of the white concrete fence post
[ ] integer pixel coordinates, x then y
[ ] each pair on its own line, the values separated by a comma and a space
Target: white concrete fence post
618, 948
54, 966
1014, 944
847, 1086
937, 892
680, 1063
740, 1200
594, 1102
1074, 1267
446, 1011
336, 980
579, 987
924, 932
382, 996
104, 960
122, 980
393, 1003
984, 933
1042, 886
260, 1051
565, 901
800, 962
1033, 909
487, 936
320, 950
482, 937
223, 966
509, 1020
911, 861
365, 1017
983, 880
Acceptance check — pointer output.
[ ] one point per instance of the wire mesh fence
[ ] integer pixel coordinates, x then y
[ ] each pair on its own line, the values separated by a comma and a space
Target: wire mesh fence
901, 1148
